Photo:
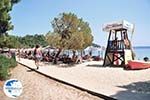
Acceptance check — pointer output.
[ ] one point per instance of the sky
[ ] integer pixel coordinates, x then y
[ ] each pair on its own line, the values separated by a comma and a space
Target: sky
35, 16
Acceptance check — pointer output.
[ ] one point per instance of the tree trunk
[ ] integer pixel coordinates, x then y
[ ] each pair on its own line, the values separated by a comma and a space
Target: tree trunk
74, 56
74, 53
90, 53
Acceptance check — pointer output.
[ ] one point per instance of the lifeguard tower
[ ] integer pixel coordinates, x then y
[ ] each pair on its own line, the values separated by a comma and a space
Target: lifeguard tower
118, 50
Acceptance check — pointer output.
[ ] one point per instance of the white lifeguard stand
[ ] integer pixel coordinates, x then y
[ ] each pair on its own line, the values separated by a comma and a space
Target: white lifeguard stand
118, 50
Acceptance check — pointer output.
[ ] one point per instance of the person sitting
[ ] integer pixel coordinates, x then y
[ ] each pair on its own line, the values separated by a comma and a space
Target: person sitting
79, 59
29, 55
146, 59
127, 43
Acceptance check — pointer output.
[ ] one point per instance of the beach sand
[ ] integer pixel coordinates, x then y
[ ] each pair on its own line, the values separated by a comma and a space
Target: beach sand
110, 81
38, 87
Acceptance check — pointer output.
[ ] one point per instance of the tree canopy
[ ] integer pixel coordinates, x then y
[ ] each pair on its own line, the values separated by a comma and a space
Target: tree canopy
9, 41
70, 32
27, 41
32, 40
53, 39
6, 25
5, 8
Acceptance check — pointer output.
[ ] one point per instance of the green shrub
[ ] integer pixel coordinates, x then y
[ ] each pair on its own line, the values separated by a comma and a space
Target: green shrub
4, 74
13, 63
5, 64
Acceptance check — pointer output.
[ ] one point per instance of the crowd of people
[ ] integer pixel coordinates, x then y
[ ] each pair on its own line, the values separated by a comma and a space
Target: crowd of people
38, 54
9, 53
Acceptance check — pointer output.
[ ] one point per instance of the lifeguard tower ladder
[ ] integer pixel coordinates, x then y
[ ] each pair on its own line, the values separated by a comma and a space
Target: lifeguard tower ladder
118, 50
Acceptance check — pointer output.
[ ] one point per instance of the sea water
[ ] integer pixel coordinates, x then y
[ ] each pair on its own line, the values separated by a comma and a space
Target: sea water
142, 52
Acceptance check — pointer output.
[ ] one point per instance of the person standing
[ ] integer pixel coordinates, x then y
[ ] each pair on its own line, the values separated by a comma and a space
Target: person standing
37, 55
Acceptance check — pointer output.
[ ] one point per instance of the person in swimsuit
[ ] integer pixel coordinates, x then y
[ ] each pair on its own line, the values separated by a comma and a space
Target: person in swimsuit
37, 55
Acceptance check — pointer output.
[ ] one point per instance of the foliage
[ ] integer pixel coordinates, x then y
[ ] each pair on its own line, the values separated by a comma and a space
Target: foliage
5, 8
9, 41
70, 32
53, 39
5, 64
75, 42
32, 40
13, 62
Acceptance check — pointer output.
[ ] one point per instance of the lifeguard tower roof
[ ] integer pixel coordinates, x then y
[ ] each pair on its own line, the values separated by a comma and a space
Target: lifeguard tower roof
118, 25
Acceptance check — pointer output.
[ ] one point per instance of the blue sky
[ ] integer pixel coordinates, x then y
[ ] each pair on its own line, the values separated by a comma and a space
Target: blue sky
35, 16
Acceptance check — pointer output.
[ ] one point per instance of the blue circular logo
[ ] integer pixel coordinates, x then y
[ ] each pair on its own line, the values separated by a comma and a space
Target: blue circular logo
13, 88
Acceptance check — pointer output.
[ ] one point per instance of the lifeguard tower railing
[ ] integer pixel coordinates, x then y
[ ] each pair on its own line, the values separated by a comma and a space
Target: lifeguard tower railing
117, 45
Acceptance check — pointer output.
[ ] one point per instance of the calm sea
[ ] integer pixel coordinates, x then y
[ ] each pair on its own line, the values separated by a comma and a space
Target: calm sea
142, 52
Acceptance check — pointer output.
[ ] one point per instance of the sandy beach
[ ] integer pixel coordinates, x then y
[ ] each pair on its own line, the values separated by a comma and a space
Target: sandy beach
113, 82
110, 81
38, 87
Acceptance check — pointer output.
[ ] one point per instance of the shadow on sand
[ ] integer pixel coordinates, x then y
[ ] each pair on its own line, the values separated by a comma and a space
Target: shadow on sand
101, 66
96, 65
134, 91
31, 70
66, 65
